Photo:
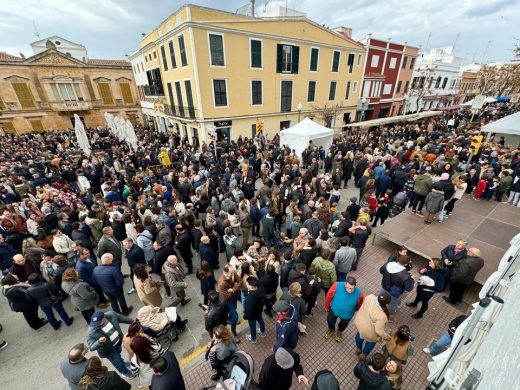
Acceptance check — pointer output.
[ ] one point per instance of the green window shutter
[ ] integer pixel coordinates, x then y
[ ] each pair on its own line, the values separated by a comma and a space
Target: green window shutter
295, 59
335, 61
279, 57
256, 54
314, 59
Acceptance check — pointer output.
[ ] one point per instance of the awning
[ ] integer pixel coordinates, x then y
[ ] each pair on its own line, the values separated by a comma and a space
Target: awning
393, 119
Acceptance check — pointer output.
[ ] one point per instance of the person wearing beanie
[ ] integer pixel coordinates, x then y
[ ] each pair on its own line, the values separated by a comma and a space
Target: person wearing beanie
434, 203
449, 190
277, 370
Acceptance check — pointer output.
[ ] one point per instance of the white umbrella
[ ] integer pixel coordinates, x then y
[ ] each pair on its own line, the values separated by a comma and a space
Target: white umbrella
81, 135
120, 128
131, 138
110, 122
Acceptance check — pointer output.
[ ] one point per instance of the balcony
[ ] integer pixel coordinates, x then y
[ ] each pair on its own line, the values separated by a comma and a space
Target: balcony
70, 106
153, 90
180, 111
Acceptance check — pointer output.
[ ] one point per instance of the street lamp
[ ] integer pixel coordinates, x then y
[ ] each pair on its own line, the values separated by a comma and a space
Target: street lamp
299, 107
363, 108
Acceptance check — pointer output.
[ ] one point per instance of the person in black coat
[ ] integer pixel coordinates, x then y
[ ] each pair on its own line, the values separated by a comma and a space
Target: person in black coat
118, 226
269, 282
134, 256
344, 224
253, 307
277, 370
207, 253
372, 375
15, 292
207, 279
183, 246
166, 373
160, 257
216, 312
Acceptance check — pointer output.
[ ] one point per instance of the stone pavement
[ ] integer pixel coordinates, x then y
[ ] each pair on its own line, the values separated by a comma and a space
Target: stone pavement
318, 353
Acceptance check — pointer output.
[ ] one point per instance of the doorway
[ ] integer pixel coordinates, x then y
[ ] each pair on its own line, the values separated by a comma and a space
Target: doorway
224, 134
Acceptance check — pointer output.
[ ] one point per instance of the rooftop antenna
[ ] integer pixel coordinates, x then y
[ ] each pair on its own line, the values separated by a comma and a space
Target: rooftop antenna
455, 42
265, 6
253, 8
36, 30
427, 42
485, 51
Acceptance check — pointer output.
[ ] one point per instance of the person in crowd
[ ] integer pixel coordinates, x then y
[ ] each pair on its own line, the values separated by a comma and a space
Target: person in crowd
16, 294
370, 323
109, 244
183, 246
144, 350
399, 348
394, 374
343, 300
215, 312
460, 188
85, 268
148, 289
278, 370
452, 254
372, 375
221, 348
207, 280
134, 255
48, 296
360, 233
345, 258
175, 277
253, 307
433, 279
269, 282
422, 186
82, 295
445, 340
73, 366
22, 269
110, 279
166, 373
7, 253
104, 335
325, 380
228, 285
97, 376
207, 253
325, 270
396, 281
145, 242
463, 275
287, 331
433, 203
161, 255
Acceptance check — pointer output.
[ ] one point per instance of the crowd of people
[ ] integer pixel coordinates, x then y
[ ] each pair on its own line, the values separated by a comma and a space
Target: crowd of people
255, 224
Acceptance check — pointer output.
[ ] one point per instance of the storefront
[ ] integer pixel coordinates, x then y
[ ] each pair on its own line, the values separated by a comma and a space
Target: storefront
224, 130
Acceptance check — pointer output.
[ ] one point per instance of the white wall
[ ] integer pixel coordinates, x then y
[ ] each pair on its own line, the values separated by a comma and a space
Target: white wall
139, 69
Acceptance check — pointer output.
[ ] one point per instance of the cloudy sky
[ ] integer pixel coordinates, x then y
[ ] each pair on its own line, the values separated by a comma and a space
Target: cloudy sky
112, 28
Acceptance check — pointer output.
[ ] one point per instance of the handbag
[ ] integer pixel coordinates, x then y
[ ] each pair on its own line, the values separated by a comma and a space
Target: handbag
54, 298
395, 291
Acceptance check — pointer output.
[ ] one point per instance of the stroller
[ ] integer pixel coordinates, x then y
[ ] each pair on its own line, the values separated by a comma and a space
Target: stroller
238, 374
281, 241
398, 204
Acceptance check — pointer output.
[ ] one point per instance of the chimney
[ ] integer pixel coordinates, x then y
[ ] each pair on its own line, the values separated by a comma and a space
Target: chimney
345, 31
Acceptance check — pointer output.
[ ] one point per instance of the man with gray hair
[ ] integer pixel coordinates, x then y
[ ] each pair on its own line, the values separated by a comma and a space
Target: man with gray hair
463, 275
109, 244
110, 279
73, 367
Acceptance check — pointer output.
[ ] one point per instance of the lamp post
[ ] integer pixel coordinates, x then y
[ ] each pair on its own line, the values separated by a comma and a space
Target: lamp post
299, 107
363, 108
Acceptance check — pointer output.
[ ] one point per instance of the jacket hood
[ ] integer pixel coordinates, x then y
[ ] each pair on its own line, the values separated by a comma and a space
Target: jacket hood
373, 379
147, 234
394, 267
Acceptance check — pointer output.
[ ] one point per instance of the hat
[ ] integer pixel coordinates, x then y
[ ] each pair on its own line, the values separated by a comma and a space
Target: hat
97, 317
428, 169
353, 199
284, 359
445, 176
281, 306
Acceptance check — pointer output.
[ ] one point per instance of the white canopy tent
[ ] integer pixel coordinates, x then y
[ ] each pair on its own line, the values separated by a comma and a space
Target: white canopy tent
298, 136
488, 99
508, 126
131, 138
81, 135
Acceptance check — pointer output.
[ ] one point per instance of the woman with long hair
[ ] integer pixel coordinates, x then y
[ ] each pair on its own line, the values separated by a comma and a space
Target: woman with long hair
370, 322
148, 289
394, 373
82, 295
220, 350
97, 377
145, 350
399, 347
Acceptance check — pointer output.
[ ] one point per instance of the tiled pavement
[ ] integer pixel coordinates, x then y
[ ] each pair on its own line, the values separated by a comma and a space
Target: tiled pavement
318, 353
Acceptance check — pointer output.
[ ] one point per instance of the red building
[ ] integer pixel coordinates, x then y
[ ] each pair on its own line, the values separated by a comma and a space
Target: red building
383, 65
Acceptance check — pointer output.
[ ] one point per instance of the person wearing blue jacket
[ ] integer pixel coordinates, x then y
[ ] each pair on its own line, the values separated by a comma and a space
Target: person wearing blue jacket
111, 281
286, 326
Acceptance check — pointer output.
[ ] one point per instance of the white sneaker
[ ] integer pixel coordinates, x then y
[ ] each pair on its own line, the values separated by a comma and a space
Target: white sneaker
427, 350
249, 338
131, 291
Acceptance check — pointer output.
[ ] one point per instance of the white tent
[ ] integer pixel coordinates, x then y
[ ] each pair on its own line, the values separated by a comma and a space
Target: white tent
298, 136
81, 135
508, 126
488, 99
131, 138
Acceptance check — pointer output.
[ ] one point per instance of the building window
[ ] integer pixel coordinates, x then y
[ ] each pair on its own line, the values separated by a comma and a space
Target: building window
332, 90
287, 59
154, 55
2, 105
172, 54
405, 60
406, 85
311, 91
335, 61
444, 82
366, 88
350, 62
398, 89
189, 98
216, 48
354, 87
126, 92
78, 91
179, 98
347, 92
164, 60
106, 93
256, 92
315, 53
220, 93
393, 63
256, 53
286, 96
438, 82
375, 61
387, 89
182, 50
67, 93
412, 63
359, 59
285, 125
23, 93
36, 124
170, 96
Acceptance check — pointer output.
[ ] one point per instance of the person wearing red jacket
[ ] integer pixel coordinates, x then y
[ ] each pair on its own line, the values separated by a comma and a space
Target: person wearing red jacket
342, 301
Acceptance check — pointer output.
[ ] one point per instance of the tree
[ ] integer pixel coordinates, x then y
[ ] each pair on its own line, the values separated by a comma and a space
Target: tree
422, 85
325, 113
499, 80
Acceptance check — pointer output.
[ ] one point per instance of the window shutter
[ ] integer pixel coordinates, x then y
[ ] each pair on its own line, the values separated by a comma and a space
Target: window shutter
2, 105
126, 93
8, 127
36, 125
295, 59
24, 95
279, 56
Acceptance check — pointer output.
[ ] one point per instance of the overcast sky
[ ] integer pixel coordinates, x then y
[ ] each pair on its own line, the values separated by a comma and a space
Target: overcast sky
112, 28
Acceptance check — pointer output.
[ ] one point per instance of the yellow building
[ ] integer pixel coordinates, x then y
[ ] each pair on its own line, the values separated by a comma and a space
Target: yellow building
203, 69
44, 91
